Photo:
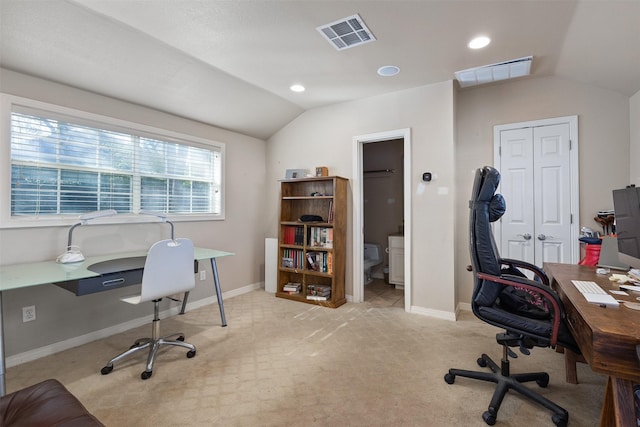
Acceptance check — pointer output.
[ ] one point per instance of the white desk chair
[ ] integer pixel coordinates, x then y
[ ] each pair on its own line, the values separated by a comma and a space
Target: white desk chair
168, 270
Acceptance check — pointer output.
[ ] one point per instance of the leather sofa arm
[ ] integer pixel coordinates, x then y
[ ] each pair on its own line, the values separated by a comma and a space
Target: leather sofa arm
47, 403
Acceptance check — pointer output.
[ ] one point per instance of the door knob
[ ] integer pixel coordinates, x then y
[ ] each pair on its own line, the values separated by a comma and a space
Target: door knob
525, 236
542, 237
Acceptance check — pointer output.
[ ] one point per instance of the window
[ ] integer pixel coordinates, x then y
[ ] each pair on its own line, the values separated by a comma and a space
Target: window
66, 165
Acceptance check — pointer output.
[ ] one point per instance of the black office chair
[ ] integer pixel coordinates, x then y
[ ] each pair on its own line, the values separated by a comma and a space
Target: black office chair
529, 311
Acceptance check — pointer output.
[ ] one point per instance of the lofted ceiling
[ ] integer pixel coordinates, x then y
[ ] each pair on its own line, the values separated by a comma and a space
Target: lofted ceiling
230, 63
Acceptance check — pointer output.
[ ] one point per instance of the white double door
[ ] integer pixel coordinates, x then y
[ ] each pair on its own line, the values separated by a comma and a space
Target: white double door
538, 164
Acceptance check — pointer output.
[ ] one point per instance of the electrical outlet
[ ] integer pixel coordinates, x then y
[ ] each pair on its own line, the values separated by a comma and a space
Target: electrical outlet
28, 313
203, 275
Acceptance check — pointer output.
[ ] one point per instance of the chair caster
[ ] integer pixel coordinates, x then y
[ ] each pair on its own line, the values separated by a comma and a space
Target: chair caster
146, 375
543, 382
190, 354
449, 379
560, 420
107, 369
489, 417
481, 362
180, 338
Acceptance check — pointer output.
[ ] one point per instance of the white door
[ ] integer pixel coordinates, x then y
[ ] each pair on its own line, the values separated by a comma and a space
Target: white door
552, 194
516, 181
538, 166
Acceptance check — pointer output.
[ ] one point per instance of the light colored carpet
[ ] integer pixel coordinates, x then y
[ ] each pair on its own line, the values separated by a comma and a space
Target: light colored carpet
283, 363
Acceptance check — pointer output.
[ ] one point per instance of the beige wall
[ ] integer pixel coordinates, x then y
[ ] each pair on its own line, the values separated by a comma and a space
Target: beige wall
603, 130
634, 152
436, 116
324, 136
60, 315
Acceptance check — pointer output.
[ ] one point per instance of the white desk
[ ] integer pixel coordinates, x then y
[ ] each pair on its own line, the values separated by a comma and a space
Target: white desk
19, 276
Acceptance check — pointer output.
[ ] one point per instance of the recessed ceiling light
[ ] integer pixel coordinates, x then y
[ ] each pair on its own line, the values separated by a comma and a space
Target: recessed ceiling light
479, 42
388, 70
297, 88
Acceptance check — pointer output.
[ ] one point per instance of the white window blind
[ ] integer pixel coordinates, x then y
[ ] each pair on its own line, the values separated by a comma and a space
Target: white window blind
62, 165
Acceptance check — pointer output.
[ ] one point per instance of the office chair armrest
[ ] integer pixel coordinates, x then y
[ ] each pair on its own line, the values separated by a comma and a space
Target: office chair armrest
527, 266
545, 292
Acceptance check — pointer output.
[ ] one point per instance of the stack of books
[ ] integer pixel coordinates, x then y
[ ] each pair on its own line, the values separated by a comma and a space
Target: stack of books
293, 235
320, 261
292, 288
318, 292
321, 237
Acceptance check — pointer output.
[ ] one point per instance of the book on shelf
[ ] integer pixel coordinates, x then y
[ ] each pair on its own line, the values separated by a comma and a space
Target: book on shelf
292, 235
292, 258
319, 290
312, 261
321, 262
299, 236
292, 288
330, 215
317, 298
320, 237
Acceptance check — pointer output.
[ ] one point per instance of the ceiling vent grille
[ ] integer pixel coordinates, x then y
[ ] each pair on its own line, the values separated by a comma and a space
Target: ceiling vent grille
346, 32
495, 72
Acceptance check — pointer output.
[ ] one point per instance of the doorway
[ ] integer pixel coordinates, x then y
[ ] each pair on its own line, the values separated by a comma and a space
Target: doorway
383, 216
538, 163
381, 206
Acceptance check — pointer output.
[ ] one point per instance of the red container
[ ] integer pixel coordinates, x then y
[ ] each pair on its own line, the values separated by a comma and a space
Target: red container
591, 255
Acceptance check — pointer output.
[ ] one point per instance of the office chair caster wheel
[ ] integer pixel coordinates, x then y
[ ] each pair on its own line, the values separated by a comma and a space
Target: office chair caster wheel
489, 418
543, 382
560, 420
481, 362
449, 379
180, 338
107, 369
146, 375
191, 353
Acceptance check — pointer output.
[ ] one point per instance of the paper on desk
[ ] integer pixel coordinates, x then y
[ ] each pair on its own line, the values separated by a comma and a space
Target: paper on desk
601, 299
619, 292
620, 278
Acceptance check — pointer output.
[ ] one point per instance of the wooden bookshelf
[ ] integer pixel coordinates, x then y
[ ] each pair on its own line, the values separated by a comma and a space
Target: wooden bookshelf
313, 253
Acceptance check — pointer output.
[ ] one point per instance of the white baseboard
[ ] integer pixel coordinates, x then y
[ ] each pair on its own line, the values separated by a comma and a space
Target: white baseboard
446, 315
57, 347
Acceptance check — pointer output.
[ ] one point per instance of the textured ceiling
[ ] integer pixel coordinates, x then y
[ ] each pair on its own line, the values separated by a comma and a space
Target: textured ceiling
230, 63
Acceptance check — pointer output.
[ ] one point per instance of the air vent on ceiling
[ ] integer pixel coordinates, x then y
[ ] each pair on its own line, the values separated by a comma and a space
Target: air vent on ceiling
346, 32
495, 72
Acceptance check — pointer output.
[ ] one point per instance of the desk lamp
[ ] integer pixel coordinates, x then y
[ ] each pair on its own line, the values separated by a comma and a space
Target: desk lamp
74, 255
161, 215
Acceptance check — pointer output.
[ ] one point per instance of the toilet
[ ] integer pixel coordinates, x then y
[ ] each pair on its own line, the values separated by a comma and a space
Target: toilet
372, 258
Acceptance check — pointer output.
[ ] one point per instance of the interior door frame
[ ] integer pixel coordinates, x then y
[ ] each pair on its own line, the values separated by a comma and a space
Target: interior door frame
358, 210
574, 165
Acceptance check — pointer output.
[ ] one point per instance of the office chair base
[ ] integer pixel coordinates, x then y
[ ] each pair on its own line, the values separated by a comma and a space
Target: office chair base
153, 345
505, 382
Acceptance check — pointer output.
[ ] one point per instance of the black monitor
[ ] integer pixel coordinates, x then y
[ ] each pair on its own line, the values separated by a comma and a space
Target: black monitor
626, 204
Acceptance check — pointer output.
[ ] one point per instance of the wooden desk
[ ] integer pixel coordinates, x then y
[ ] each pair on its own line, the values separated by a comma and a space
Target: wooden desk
607, 338
18, 276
